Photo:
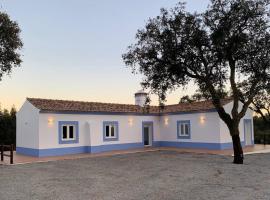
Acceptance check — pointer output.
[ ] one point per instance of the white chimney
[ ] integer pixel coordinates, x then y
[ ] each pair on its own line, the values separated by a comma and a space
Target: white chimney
140, 98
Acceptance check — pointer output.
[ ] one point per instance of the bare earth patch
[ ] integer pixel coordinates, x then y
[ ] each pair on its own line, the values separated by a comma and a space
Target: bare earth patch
148, 175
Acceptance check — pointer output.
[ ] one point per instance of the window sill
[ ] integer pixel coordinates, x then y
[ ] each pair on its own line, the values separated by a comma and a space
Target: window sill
110, 139
183, 137
68, 141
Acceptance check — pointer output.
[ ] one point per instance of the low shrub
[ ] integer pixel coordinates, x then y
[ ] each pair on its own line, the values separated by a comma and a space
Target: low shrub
261, 131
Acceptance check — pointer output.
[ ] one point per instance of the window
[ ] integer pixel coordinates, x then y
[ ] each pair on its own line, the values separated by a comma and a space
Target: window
71, 132
64, 132
110, 131
183, 129
68, 132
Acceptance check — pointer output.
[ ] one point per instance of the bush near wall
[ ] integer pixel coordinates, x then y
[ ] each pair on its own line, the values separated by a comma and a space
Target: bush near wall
8, 126
261, 131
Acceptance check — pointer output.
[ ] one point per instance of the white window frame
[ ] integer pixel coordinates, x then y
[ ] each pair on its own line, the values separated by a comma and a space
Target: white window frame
184, 129
110, 131
74, 132
115, 126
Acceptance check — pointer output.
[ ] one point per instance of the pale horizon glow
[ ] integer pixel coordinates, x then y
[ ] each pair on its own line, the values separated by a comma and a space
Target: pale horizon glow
72, 49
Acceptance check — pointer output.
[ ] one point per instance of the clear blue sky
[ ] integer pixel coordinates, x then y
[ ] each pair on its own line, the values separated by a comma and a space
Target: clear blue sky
72, 49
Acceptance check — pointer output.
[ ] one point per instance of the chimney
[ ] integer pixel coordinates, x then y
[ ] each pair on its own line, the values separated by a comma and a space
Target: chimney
140, 98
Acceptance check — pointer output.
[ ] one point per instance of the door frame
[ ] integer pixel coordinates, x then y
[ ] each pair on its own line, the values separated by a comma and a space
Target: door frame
251, 131
151, 131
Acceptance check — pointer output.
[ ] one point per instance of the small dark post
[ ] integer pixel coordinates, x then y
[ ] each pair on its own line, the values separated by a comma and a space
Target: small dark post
2, 152
11, 154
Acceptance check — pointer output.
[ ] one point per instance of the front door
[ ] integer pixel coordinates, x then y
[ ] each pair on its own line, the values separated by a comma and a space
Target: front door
147, 133
248, 131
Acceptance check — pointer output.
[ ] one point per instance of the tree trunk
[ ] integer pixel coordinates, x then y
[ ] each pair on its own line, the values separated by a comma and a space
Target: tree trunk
237, 149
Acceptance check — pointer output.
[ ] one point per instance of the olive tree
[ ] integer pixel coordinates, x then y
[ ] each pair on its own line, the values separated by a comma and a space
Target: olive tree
10, 44
227, 46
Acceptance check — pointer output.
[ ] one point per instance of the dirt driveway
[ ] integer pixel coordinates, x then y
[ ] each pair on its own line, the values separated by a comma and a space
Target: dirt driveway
147, 175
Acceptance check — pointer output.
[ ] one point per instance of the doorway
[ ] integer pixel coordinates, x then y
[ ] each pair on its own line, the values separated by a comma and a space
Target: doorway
248, 131
147, 133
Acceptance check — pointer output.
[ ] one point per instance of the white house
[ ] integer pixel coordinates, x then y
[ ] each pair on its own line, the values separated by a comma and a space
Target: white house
56, 127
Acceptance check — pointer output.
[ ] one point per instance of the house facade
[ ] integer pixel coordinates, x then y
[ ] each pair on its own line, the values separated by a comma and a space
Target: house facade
55, 127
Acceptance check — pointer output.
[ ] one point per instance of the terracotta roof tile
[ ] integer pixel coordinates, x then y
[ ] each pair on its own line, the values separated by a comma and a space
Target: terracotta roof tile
50, 105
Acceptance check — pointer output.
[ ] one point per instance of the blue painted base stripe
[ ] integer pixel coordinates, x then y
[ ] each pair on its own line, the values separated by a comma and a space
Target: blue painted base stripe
112, 147
27, 151
76, 150
190, 145
230, 145
156, 144
198, 145
62, 151
51, 152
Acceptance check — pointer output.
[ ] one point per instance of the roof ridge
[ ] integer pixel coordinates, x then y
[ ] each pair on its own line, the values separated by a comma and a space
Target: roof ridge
154, 106
207, 100
94, 102
85, 106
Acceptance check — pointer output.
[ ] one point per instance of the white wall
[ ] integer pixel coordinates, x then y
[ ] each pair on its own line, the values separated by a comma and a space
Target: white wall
202, 131
91, 129
40, 130
225, 136
27, 126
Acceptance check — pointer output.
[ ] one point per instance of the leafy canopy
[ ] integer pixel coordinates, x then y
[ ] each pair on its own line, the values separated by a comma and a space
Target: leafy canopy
225, 47
10, 43
8, 126
261, 105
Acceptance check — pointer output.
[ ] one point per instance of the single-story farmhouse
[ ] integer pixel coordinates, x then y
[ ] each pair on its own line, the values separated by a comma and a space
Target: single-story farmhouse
56, 127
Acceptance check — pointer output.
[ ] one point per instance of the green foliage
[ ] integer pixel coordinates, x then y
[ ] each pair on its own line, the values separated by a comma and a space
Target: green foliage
261, 104
10, 43
8, 126
186, 99
212, 48
199, 96
227, 45
261, 131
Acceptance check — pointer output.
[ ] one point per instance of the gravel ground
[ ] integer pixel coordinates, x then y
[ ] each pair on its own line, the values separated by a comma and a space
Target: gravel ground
148, 175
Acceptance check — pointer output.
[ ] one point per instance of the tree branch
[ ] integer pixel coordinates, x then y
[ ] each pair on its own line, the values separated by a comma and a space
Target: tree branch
235, 90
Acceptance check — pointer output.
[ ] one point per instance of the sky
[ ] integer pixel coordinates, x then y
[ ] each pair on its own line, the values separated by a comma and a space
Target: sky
73, 49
